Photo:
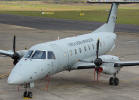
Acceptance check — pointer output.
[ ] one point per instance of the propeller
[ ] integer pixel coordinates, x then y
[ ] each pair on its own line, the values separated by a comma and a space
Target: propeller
98, 61
15, 56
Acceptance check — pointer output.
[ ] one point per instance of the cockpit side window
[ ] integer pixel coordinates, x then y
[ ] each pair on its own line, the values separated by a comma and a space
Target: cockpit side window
39, 55
28, 54
50, 55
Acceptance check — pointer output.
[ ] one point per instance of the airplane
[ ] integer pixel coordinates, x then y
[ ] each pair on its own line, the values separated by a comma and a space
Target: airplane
86, 51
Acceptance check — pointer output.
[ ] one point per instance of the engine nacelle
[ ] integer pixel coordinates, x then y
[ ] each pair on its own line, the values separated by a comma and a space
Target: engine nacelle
108, 65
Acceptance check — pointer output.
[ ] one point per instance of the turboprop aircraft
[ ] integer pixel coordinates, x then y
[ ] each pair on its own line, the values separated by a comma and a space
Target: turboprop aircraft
80, 52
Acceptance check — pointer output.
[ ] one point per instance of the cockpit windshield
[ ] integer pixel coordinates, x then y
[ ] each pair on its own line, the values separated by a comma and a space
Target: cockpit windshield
29, 53
39, 55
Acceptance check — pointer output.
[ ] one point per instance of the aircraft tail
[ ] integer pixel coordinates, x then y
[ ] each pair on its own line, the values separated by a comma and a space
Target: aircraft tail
109, 26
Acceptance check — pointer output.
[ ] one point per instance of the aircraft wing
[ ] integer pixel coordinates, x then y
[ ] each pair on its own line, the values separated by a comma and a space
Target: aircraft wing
83, 65
126, 63
10, 53
6, 53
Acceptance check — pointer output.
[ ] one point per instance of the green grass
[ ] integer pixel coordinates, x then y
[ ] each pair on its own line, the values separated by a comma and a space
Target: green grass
127, 14
124, 16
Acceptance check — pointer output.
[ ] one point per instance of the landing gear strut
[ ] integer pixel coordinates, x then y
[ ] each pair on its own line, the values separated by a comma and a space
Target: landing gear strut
27, 94
114, 80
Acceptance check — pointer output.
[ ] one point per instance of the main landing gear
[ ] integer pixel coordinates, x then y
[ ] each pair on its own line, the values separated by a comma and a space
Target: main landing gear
114, 80
27, 93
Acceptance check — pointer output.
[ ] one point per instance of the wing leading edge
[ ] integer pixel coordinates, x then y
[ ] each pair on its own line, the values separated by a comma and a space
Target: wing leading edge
126, 63
10, 53
6, 53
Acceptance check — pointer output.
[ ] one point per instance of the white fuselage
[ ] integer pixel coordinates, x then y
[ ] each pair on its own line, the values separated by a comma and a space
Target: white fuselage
67, 52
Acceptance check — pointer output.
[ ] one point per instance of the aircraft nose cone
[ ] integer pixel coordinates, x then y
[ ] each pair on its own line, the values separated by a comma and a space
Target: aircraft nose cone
14, 79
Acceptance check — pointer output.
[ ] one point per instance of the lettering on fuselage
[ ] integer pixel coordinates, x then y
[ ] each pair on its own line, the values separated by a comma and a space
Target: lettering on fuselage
80, 42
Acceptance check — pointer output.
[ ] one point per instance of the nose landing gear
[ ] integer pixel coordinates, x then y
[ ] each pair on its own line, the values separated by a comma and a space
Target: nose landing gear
27, 94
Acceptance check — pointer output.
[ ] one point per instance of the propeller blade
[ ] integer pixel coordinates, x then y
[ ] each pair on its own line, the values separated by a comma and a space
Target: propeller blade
97, 72
14, 44
94, 74
16, 56
98, 75
97, 50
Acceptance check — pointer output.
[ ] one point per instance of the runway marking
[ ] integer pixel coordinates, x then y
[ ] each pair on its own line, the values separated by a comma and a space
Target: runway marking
27, 98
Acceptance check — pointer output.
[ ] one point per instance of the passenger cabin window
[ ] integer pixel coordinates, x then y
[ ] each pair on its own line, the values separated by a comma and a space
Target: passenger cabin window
50, 55
88, 47
80, 50
75, 51
28, 54
39, 55
84, 48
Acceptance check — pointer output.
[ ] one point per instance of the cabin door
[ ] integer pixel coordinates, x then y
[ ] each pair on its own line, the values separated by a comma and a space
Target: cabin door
61, 56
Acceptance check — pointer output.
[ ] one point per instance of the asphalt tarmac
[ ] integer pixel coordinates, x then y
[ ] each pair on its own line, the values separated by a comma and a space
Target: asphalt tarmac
59, 24
74, 85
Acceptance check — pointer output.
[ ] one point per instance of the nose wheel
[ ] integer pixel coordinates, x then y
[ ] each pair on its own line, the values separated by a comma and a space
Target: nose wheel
27, 93
114, 81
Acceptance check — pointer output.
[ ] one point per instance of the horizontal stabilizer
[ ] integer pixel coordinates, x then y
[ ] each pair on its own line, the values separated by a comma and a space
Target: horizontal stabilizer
126, 63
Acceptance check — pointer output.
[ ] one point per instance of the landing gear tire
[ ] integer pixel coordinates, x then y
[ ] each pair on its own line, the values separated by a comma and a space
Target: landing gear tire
114, 81
27, 94
111, 81
30, 94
